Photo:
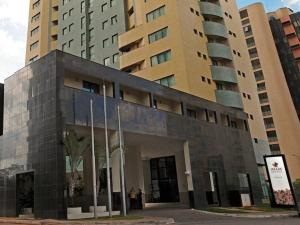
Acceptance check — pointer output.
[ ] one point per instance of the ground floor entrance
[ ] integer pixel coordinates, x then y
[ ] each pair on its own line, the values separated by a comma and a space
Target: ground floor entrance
164, 182
25, 193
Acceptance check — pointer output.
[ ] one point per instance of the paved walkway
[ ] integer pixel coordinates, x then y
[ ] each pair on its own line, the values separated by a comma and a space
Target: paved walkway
195, 217
144, 221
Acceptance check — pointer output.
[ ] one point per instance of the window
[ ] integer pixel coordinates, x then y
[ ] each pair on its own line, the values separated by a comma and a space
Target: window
259, 75
33, 59
161, 58
250, 42
160, 34
71, 27
244, 14
34, 45
90, 17
113, 20
82, 6
255, 64
90, 87
114, 39
92, 52
155, 14
104, 7
82, 39
246, 21
71, 12
168, 81
91, 34
248, 30
105, 43
116, 58
34, 31
64, 31
35, 17
106, 61
253, 53
65, 16
261, 86
64, 47
71, 43
104, 24
82, 22
113, 3
36, 4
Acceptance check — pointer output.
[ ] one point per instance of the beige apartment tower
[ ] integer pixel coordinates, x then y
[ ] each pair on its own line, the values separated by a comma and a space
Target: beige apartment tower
197, 47
280, 117
42, 28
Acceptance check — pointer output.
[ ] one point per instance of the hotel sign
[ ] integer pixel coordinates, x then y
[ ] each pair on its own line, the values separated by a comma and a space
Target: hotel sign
280, 181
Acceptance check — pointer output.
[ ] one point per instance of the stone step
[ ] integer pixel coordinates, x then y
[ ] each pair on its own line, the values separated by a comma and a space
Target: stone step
99, 209
26, 216
90, 215
79, 216
74, 210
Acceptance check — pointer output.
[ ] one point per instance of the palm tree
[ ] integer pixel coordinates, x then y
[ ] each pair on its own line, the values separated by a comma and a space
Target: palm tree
75, 147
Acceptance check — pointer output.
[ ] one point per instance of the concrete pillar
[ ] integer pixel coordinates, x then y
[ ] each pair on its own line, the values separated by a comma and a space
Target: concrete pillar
188, 172
115, 167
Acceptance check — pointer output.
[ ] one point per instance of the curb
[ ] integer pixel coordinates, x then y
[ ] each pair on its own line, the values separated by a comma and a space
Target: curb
248, 215
158, 221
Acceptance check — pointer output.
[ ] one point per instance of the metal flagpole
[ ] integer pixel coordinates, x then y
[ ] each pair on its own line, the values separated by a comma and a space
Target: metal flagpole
93, 161
107, 154
122, 165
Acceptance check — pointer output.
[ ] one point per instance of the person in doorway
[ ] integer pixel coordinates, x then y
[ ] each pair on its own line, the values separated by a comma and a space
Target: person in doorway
139, 197
132, 196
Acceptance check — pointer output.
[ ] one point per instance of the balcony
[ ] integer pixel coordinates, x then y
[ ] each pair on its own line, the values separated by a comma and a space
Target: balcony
210, 9
215, 29
223, 74
133, 57
229, 98
217, 50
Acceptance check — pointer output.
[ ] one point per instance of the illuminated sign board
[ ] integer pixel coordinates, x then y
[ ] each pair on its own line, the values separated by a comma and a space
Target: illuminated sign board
280, 182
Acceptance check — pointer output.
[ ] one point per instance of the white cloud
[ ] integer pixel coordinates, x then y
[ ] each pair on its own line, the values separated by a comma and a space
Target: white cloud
13, 34
293, 4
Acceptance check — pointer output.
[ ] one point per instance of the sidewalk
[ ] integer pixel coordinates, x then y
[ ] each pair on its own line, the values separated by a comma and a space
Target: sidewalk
252, 214
144, 221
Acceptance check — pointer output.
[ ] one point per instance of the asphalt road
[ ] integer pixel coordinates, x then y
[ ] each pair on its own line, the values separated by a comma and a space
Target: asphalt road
190, 217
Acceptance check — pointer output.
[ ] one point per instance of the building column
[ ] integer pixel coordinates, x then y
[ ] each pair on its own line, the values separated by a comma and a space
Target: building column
115, 167
188, 173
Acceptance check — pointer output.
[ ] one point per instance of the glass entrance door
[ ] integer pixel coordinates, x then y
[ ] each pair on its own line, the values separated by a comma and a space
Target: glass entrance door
164, 180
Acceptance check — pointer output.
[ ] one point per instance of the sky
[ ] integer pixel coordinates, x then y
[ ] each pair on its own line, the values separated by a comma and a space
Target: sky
13, 30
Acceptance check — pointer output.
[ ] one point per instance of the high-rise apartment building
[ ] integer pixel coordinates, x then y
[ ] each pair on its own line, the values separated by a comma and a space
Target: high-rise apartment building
197, 47
285, 26
193, 46
42, 28
280, 117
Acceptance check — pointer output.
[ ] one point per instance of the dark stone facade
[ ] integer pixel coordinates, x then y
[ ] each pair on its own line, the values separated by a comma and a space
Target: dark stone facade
38, 107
